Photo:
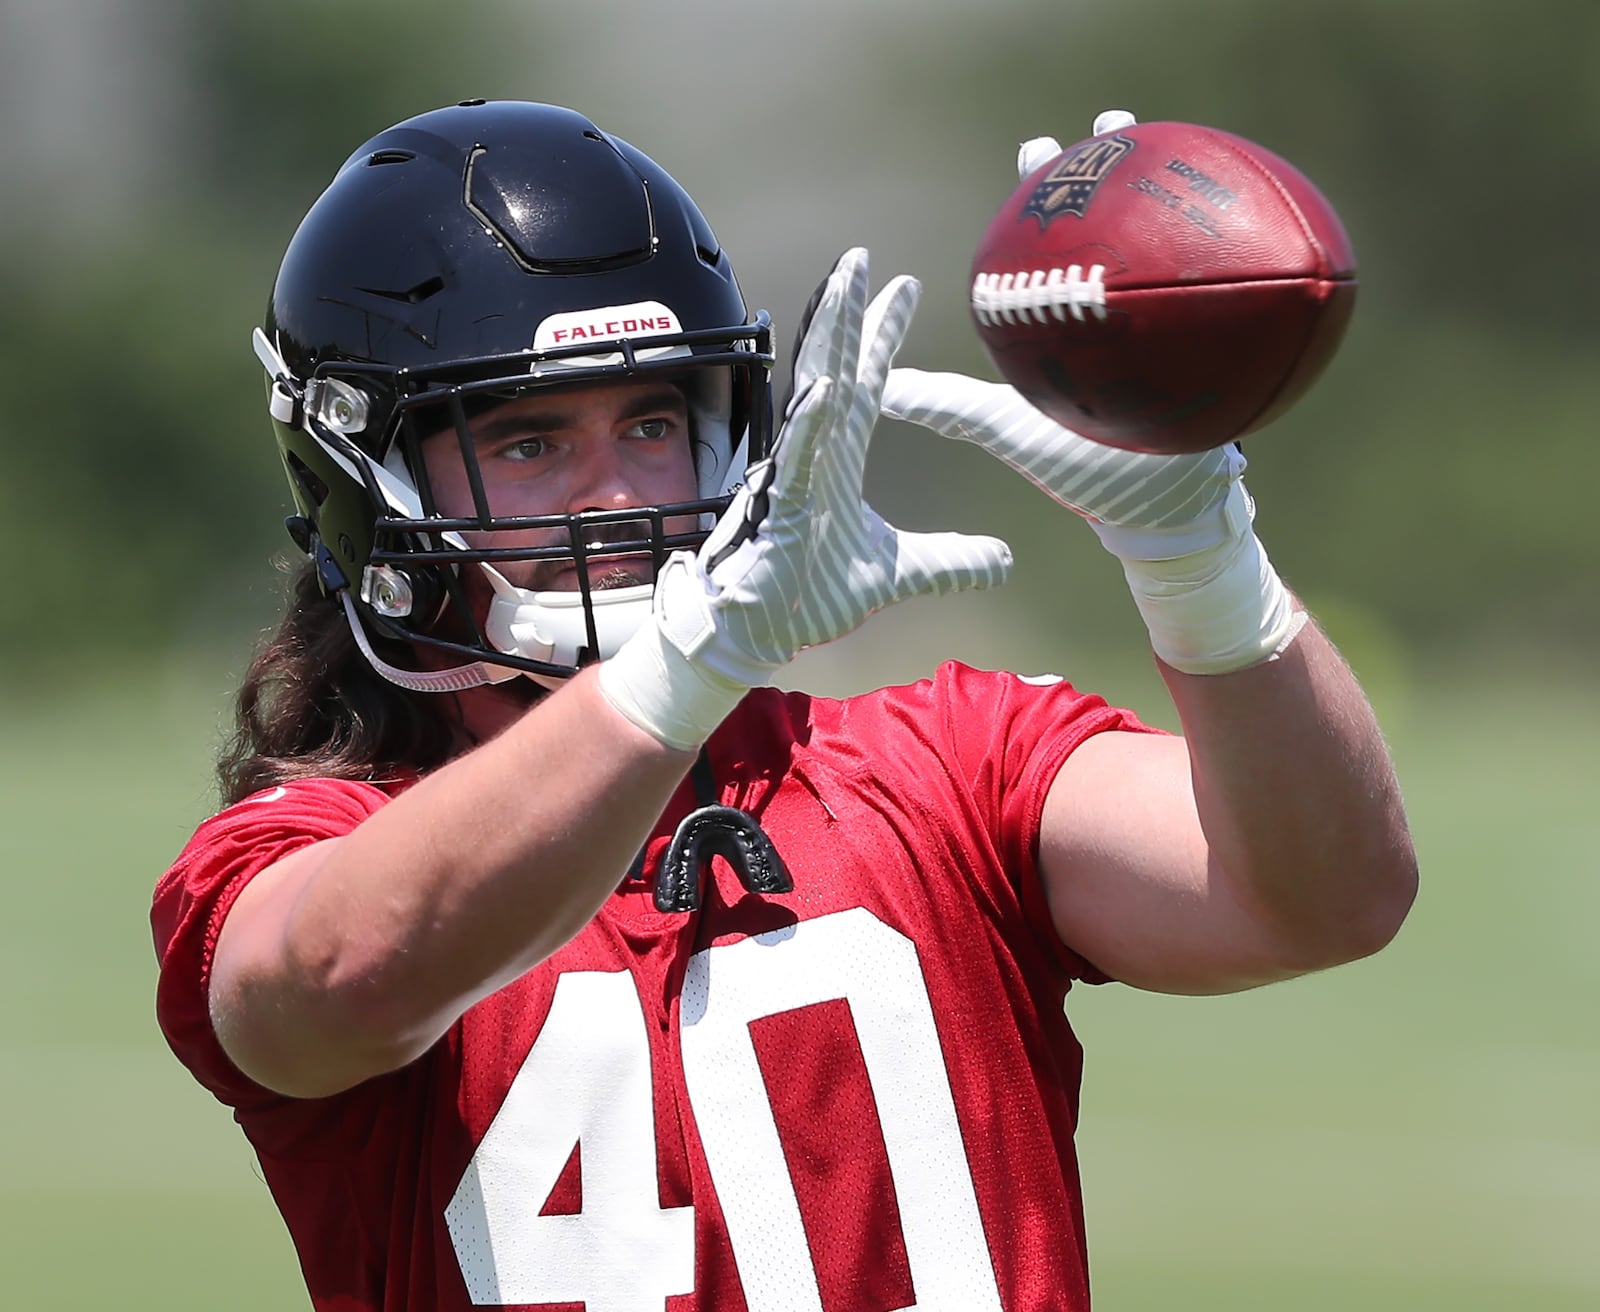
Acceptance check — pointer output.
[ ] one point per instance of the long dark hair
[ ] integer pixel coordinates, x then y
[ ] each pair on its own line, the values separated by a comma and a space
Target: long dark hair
310, 706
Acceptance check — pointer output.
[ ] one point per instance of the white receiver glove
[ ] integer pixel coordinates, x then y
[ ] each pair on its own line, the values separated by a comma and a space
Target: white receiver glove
799, 558
1181, 525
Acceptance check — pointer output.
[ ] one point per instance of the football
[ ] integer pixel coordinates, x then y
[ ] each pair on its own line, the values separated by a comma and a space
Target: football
1164, 287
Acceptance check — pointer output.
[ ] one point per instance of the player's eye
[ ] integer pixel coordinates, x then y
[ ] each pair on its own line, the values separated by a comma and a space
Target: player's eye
526, 448
652, 430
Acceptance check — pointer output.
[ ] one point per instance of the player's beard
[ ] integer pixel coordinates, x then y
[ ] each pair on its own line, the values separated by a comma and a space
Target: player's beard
619, 576
626, 571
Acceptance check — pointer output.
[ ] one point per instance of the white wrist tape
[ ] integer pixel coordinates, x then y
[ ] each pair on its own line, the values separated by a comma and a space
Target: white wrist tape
1209, 596
678, 702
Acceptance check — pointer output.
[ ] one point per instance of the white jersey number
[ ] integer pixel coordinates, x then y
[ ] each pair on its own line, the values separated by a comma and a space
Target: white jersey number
586, 1080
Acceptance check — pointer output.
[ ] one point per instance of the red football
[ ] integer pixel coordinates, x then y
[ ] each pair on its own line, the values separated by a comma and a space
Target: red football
1164, 287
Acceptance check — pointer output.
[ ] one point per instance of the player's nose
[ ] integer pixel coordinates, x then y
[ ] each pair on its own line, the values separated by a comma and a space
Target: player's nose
601, 479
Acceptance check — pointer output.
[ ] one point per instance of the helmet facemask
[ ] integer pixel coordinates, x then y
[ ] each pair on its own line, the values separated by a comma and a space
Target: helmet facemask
417, 582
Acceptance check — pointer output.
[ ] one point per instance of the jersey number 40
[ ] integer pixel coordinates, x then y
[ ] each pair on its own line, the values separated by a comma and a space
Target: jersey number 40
587, 1080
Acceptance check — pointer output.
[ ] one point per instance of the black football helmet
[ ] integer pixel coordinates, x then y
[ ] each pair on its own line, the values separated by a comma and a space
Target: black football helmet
460, 257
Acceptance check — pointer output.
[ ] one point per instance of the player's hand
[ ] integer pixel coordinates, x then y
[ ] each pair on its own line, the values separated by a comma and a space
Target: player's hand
1181, 525
799, 557
1165, 499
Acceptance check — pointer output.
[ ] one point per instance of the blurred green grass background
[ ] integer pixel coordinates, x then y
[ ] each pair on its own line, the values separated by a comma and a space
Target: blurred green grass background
1420, 1130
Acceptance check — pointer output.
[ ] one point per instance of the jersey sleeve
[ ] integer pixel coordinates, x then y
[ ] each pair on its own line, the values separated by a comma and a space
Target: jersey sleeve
1003, 738
194, 897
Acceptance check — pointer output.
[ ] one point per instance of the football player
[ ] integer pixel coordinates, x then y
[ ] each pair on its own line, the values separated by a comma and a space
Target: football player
549, 956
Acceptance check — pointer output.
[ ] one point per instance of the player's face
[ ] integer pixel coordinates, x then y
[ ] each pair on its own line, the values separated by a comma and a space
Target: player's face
597, 446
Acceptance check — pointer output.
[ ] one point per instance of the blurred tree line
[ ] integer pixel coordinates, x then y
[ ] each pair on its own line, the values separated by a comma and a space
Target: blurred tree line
1440, 477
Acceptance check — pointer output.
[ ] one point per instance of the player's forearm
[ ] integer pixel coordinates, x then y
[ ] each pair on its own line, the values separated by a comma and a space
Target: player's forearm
1299, 802
464, 882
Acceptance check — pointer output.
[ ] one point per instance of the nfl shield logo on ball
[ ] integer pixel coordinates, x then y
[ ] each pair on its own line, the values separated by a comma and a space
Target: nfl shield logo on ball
1074, 178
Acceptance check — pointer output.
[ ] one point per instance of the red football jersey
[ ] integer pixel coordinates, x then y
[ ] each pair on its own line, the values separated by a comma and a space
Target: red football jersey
857, 1095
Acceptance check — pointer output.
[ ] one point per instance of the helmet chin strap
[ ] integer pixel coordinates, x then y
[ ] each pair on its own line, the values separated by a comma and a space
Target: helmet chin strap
543, 626
459, 679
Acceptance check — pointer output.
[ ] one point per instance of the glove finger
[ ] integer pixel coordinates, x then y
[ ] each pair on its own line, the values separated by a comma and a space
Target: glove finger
883, 330
795, 452
933, 564
1112, 120
1036, 153
992, 416
846, 339
832, 323
843, 350
1097, 480
793, 388
952, 405
819, 348
884, 327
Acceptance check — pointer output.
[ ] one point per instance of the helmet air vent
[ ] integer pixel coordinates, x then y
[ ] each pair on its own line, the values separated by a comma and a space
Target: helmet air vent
306, 479
390, 157
409, 295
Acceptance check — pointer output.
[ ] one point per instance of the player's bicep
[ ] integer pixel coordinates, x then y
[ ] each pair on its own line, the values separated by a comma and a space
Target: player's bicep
256, 995
1130, 880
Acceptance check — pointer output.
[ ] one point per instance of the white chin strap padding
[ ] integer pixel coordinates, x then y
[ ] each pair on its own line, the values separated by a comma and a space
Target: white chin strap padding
550, 626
